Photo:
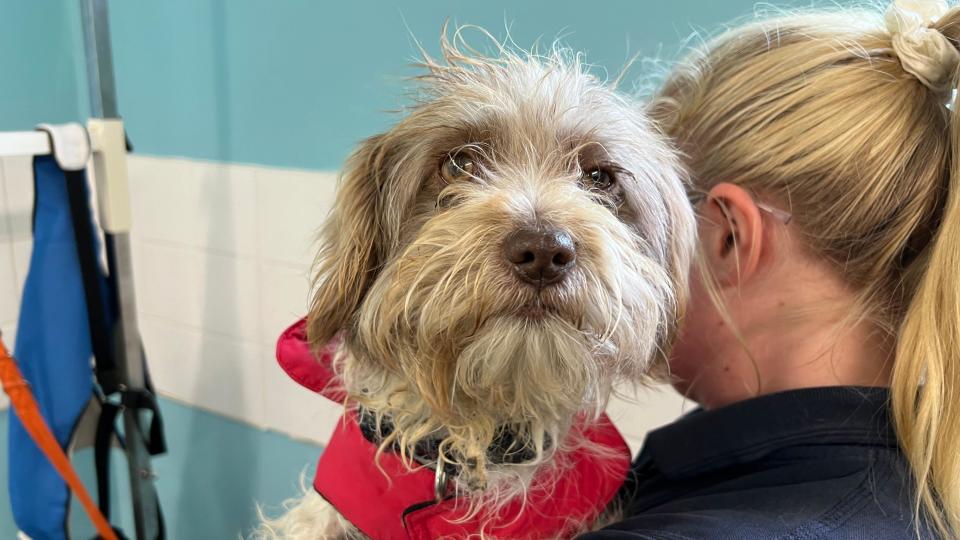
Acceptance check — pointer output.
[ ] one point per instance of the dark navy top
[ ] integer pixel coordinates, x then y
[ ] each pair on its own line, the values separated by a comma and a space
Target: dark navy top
802, 464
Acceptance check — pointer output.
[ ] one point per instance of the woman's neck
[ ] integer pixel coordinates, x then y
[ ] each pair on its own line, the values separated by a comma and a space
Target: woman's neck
790, 337
817, 354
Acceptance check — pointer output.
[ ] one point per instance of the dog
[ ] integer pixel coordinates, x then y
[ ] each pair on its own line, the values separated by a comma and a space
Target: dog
514, 247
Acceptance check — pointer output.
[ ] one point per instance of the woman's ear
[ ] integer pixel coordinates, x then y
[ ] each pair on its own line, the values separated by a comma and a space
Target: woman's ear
731, 234
352, 244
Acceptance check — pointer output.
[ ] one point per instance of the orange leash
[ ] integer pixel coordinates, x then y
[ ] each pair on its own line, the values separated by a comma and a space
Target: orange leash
29, 414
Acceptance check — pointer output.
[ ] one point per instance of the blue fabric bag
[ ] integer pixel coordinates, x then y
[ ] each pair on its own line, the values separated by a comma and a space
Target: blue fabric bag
54, 352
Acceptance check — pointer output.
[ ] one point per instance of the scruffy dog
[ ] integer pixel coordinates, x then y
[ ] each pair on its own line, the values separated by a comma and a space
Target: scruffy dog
516, 245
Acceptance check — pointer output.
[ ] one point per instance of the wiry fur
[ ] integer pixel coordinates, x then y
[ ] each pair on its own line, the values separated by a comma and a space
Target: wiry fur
411, 274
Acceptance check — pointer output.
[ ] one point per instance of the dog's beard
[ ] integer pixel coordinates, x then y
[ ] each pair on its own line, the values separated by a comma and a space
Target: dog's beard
450, 345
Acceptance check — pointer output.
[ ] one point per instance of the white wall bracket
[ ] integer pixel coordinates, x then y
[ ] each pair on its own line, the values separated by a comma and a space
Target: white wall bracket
70, 145
110, 171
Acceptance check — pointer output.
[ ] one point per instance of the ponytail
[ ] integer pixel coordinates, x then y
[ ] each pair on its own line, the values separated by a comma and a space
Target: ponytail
926, 375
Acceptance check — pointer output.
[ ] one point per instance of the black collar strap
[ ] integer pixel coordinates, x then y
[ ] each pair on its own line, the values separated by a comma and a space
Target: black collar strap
505, 448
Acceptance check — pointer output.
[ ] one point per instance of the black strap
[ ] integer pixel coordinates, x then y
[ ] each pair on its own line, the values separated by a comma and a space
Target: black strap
145, 400
108, 375
506, 447
106, 427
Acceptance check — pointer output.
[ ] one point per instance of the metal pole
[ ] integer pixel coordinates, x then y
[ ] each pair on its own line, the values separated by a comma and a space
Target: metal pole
103, 104
96, 37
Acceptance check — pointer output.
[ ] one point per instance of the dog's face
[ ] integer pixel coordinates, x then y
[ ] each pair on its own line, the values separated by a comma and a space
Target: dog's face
500, 257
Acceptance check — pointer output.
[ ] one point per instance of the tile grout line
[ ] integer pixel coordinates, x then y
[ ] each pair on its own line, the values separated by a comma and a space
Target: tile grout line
219, 334
239, 419
9, 224
254, 257
259, 300
5, 404
209, 162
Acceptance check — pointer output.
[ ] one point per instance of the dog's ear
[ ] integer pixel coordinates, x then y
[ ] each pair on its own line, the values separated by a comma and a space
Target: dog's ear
352, 244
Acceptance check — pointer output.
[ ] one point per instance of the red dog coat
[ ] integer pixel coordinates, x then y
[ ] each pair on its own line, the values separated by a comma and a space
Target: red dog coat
402, 505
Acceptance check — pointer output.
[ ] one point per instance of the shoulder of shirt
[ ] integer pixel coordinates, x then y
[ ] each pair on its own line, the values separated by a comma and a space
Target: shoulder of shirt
634, 534
869, 505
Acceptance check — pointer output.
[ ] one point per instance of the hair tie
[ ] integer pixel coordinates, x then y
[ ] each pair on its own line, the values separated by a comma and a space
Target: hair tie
924, 52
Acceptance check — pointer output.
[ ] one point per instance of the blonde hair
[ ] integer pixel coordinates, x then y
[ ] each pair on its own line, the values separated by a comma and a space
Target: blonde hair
818, 112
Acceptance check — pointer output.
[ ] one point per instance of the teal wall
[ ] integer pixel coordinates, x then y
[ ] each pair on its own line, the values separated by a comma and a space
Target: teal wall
292, 83
41, 68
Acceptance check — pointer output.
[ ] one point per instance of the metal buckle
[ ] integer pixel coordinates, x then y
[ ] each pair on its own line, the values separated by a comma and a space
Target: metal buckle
440, 480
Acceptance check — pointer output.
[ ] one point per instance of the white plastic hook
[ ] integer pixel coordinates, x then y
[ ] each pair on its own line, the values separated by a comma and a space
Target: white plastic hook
70, 145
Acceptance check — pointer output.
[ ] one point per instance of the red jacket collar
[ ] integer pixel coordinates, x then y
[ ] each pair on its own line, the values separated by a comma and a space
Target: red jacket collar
400, 504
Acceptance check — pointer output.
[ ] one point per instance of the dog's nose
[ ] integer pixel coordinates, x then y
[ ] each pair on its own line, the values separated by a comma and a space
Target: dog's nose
540, 256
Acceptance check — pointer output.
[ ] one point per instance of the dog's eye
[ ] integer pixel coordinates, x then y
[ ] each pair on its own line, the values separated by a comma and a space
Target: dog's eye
457, 167
599, 178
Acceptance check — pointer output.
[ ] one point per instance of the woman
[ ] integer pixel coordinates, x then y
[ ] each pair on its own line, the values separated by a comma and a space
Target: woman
823, 336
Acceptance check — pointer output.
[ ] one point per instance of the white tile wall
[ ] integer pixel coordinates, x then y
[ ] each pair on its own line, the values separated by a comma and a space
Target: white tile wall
9, 292
16, 208
636, 413
283, 298
294, 410
214, 371
221, 262
206, 290
290, 207
213, 205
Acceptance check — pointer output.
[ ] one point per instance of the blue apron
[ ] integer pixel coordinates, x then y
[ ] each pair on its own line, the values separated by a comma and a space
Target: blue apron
54, 352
